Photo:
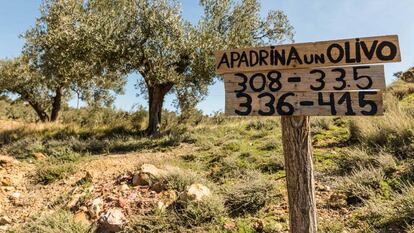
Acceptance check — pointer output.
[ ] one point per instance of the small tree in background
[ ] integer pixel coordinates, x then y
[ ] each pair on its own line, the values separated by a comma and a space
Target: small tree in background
150, 37
57, 61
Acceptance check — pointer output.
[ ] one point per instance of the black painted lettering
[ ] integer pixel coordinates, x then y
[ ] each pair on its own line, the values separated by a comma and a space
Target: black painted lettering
243, 59
319, 59
280, 57
348, 58
234, 56
264, 54
369, 53
330, 53
254, 58
308, 59
358, 51
263, 81
293, 55
392, 48
224, 60
272, 55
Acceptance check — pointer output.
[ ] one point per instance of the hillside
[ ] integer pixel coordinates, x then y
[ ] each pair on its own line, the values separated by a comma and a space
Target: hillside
209, 174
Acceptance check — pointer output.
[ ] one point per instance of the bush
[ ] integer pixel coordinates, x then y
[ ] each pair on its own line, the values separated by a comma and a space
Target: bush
363, 184
354, 159
197, 213
49, 173
393, 133
396, 212
60, 221
249, 196
182, 216
178, 179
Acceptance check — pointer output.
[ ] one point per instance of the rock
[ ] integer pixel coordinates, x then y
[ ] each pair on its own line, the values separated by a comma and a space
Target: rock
81, 217
6, 161
112, 221
124, 187
4, 220
167, 198
96, 208
15, 196
141, 179
39, 156
151, 170
196, 192
6, 181
158, 187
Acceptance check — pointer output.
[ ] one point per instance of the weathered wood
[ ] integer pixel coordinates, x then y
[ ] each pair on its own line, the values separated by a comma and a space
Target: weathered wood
368, 50
299, 174
309, 79
305, 103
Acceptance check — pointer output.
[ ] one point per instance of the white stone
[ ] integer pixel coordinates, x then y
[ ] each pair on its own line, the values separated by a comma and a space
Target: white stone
197, 192
112, 221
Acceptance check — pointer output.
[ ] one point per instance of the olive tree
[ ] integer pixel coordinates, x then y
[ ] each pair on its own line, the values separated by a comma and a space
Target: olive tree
171, 54
58, 51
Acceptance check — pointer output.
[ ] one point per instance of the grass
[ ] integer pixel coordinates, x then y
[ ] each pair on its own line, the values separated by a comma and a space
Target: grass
366, 160
58, 221
249, 196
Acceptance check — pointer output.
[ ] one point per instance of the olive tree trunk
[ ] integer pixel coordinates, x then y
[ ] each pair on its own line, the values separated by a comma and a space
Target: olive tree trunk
299, 173
56, 105
156, 95
41, 113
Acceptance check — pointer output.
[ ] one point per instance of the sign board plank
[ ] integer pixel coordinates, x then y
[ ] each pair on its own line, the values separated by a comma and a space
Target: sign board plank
368, 50
318, 79
341, 103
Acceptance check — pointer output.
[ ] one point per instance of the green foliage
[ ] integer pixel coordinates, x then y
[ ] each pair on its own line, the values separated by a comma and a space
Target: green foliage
393, 133
49, 173
59, 221
249, 196
363, 184
390, 213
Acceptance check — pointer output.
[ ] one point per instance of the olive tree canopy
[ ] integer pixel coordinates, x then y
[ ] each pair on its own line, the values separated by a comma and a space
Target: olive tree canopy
171, 54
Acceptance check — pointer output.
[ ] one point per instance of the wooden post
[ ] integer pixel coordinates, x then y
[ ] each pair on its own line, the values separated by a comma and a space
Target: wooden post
299, 172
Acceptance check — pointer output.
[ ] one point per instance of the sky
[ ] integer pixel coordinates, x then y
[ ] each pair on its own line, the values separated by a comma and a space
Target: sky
315, 20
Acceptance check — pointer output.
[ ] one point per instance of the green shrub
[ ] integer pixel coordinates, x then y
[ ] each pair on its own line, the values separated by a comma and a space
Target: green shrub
248, 196
197, 213
182, 216
56, 222
393, 132
178, 179
49, 173
395, 212
363, 184
354, 159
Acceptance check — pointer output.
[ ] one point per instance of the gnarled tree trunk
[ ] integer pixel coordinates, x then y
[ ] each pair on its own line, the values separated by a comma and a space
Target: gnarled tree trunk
156, 95
41, 113
56, 105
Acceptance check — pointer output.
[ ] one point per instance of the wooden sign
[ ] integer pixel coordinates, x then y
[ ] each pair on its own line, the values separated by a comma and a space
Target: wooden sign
316, 79
369, 50
348, 103
301, 80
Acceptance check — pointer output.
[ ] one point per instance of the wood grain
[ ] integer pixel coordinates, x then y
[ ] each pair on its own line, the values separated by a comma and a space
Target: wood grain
308, 78
300, 109
297, 150
350, 47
